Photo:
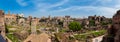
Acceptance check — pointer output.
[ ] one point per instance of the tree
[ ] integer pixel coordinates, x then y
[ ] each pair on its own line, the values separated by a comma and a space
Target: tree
75, 26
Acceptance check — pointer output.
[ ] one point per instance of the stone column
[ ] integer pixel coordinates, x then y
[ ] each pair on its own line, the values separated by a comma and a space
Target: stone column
33, 27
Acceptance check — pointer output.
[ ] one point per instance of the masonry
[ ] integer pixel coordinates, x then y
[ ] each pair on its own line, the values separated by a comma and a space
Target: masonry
113, 32
10, 17
2, 25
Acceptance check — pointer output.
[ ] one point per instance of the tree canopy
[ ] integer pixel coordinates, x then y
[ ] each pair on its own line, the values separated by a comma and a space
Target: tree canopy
75, 26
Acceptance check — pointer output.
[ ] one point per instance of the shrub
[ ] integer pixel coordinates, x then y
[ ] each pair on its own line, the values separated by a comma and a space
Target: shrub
75, 26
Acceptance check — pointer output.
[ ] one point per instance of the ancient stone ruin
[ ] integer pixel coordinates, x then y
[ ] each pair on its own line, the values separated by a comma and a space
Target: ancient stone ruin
2, 25
113, 32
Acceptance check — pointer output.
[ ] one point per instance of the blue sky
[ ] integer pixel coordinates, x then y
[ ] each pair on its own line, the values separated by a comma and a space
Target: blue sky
74, 8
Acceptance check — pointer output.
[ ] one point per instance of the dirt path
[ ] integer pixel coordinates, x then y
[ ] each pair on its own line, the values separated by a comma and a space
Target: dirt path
97, 39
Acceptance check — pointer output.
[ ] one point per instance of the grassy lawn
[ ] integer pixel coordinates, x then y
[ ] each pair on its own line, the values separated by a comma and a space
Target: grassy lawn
12, 38
91, 33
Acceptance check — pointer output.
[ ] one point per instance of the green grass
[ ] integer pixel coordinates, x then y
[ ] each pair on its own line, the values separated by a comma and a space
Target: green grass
91, 33
11, 26
12, 38
101, 32
37, 27
62, 30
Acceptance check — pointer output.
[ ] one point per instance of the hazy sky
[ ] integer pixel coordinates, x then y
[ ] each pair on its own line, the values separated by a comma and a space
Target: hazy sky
74, 8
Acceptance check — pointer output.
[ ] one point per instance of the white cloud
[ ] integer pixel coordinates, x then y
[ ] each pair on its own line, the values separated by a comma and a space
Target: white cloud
42, 8
48, 6
102, 2
22, 2
59, 3
105, 1
117, 5
103, 11
106, 11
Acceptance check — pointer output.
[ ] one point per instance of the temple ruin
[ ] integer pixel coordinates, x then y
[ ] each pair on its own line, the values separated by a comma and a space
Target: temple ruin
113, 32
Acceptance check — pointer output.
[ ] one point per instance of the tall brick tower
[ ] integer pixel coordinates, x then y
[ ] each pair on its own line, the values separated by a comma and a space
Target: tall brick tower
2, 24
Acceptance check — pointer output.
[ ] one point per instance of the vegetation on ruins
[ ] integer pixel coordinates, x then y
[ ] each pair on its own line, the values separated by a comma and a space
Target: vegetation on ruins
63, 30
92, 23
6, 29
75, 26
9, 26
90, 34
104, 23
13, 38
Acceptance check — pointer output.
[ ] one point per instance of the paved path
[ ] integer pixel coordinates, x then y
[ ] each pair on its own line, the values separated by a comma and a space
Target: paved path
97, 39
